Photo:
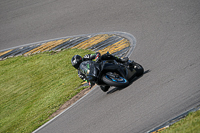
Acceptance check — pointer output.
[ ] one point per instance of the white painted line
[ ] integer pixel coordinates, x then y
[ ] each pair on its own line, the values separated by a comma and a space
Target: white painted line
63, 111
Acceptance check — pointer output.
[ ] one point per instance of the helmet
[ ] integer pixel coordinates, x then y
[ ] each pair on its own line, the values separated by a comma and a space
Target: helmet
76, 61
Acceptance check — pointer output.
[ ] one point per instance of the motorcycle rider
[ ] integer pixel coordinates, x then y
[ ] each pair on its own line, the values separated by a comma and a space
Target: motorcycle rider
77, 60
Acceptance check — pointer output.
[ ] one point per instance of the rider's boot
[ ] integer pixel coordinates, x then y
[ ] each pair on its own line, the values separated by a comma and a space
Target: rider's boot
104, 88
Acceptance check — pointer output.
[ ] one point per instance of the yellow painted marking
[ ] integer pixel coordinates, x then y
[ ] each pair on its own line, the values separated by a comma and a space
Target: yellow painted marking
5, 52
54, 44
110, 47
119, 48
34, 50
161, 129
96, 41
43, 47
46, 46
92, 41
87, 41
116, 46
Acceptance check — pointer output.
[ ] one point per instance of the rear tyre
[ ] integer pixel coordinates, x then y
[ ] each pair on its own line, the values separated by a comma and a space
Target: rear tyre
104, 88
113, 79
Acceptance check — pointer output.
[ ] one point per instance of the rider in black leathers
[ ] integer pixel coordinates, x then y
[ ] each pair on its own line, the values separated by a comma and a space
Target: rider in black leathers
77, 60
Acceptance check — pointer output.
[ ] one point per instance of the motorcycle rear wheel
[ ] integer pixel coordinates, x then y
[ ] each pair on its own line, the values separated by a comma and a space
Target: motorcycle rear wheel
113, 79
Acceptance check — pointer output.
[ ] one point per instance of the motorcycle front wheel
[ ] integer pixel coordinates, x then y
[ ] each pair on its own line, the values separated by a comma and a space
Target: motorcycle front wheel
113, 79
139, 69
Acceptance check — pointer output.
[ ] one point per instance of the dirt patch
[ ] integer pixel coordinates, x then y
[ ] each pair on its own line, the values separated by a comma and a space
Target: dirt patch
70, 102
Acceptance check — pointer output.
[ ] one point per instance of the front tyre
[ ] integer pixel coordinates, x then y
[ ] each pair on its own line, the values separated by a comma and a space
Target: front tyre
139, 69
113, 79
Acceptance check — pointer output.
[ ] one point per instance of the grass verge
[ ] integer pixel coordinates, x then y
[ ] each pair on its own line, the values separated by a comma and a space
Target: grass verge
34, 87
190, 124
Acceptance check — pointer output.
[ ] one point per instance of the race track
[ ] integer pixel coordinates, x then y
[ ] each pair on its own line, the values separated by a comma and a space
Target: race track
168, 45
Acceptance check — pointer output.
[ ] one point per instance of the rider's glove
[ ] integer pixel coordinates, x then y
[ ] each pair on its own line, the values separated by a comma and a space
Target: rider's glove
98, 57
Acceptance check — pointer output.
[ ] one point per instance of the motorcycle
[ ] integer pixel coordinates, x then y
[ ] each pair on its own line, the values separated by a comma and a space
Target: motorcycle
111, 73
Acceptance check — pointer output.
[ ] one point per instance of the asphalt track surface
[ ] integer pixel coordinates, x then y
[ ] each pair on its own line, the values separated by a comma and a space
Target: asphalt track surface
168, 44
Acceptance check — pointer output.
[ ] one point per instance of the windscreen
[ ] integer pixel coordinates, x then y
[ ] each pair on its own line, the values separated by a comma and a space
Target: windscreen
88, 68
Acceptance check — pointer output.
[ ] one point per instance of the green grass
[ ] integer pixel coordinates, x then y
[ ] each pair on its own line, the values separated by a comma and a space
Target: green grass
34, 87
190, 124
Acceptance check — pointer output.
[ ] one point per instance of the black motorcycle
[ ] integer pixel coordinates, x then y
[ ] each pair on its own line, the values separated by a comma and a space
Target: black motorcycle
111, 73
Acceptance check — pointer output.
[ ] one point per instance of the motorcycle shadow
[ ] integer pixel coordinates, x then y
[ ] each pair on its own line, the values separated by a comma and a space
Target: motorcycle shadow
133, 80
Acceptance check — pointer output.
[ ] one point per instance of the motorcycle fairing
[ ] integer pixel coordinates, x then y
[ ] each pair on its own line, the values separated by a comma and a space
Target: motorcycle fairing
88, 68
